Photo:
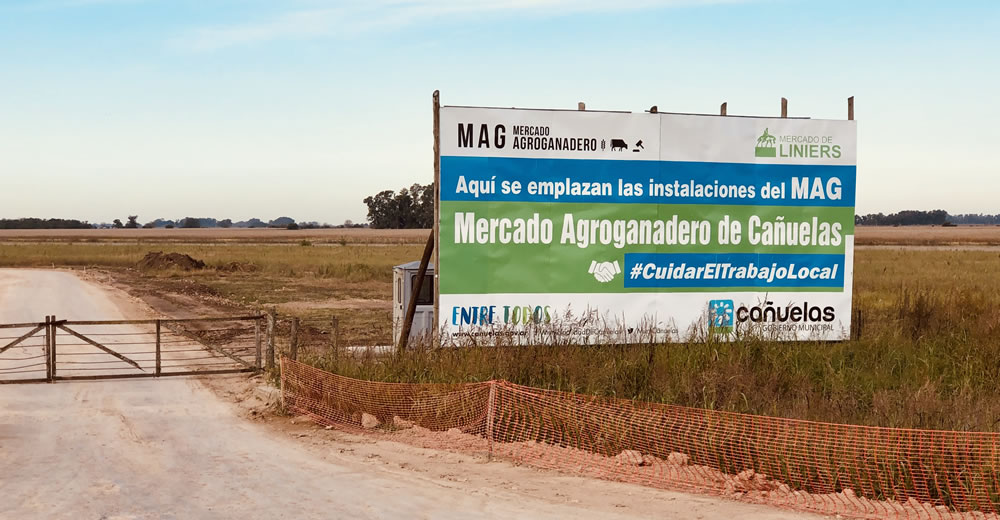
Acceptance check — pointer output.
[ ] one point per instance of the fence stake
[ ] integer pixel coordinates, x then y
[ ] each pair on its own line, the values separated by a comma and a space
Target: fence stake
490, 414
294, 339
850, 108
256, 340
723, 109
335, 332
281, 385
52, 326
157, 348
271, 325
48, 348
784, 107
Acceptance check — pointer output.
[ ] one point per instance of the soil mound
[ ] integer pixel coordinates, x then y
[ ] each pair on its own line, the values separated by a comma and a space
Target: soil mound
238, 267
161, 260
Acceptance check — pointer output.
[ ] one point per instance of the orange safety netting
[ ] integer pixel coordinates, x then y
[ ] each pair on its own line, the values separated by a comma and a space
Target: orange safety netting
857, 471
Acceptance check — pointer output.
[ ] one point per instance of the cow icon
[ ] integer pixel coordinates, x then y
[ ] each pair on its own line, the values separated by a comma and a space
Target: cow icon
618, 145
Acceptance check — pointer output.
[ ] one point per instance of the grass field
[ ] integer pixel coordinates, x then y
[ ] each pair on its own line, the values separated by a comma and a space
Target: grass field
865, 235
217, 235
927, 357
927, 235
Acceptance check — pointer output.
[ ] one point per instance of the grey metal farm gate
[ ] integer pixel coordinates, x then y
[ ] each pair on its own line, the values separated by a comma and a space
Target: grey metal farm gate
61, 350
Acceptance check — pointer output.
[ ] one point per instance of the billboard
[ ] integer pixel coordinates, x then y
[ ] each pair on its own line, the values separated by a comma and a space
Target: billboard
590, 226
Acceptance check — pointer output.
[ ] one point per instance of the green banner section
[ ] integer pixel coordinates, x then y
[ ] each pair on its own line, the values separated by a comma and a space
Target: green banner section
515, 247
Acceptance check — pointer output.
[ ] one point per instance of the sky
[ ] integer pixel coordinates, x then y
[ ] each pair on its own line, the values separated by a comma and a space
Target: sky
264, 108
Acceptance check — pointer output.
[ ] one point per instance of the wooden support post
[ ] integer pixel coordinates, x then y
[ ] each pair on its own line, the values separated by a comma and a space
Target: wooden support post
722, 109
581, 106
437, 209
158, 365
784, 107
654, 109
256, 342
271, 326
411, 308
293, 339
857, 324
850, 108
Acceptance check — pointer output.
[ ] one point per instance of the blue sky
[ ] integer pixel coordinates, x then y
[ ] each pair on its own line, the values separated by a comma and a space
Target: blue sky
254, 108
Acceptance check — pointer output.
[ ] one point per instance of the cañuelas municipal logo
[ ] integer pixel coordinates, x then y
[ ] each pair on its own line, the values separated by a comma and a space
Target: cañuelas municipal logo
720, 316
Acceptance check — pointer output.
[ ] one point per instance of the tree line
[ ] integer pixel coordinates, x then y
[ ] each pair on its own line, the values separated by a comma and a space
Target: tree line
132, 222
44, 223
413, 208
410, 208
937, 217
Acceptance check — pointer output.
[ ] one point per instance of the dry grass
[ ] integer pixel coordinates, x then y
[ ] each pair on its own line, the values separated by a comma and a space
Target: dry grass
927, 235
217, 235
865, 235
927, 357
352, 283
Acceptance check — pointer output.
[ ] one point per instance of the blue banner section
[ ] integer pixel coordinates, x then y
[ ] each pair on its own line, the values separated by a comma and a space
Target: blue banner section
645, 182
736, 270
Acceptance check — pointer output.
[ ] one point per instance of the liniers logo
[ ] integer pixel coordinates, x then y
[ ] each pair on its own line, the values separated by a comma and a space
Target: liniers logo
796, 146
723, 315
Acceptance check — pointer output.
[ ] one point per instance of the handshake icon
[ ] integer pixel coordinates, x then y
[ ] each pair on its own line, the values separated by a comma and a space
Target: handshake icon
604, 272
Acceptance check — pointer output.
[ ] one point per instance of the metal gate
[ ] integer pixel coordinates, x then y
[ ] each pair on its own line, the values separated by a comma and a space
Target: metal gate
60, 350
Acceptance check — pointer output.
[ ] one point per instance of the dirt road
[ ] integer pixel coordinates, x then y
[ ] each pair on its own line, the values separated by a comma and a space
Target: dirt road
172, 448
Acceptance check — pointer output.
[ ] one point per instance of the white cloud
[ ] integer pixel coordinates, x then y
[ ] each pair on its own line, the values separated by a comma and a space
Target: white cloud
346, 19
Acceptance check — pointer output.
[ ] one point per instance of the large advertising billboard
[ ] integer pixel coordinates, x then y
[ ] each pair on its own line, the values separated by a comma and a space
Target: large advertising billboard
584, 226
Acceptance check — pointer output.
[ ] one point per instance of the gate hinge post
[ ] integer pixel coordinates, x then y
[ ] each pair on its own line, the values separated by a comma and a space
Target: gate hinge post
157, 371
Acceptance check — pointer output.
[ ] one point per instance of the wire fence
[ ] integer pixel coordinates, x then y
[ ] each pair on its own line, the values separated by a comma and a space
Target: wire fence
856, 471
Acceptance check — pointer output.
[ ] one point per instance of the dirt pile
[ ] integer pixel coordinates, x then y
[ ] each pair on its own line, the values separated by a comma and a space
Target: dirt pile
156, 260
238, 267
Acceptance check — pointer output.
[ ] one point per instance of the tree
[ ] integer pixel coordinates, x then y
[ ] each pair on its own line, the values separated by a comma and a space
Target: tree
225, 223
191, 222
133, 222
117, 224
406, 214
348, 223
281, 222
412, 207
381, 210
423, 197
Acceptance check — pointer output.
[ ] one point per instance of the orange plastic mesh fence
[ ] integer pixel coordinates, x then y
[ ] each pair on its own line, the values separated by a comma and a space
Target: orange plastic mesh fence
857, 471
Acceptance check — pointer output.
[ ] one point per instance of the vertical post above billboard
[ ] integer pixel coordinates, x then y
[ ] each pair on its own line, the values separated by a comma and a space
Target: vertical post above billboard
436, 107
592, 227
